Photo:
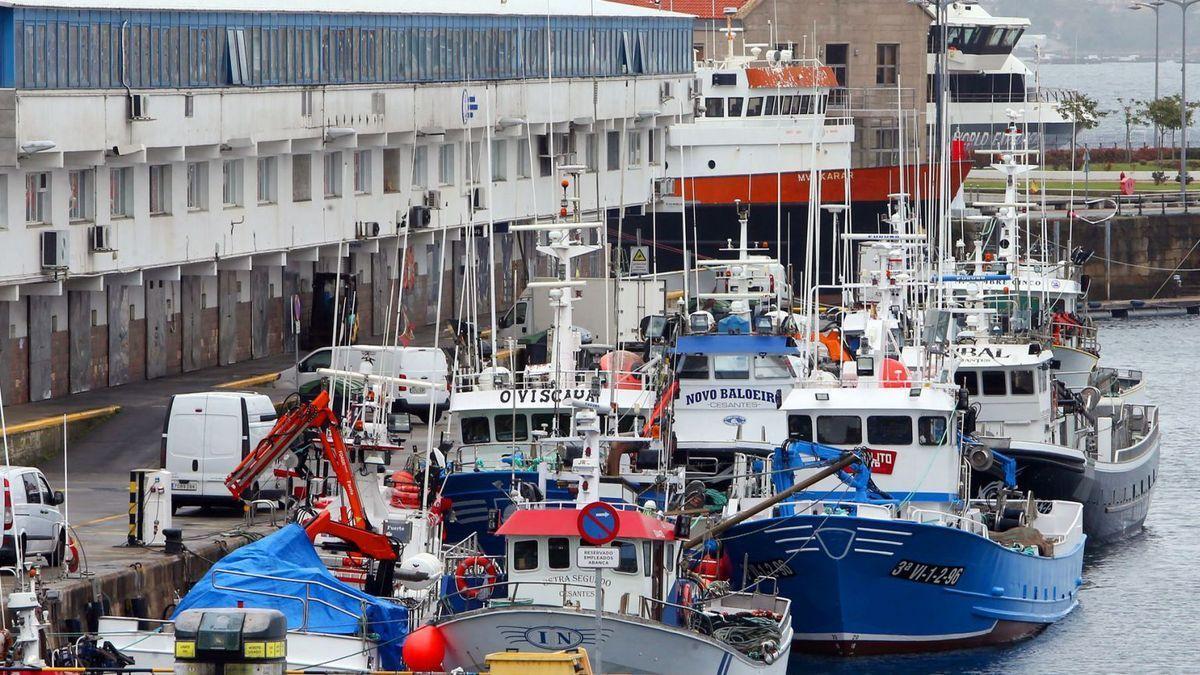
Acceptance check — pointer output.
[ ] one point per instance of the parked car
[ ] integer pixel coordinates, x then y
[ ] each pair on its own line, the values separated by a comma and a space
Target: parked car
205, 436
415, 363
32, 520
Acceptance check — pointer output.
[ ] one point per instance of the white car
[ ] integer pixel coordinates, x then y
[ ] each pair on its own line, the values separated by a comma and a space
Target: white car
31, 516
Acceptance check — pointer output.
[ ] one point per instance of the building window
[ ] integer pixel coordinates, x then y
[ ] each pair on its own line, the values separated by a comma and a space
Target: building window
887, 147
37, 197
446, 164
362, 172
197, 186
474, 150
391, 170
160, 190
267, 180
83, 194
120, 192
591, 151
332, 175
499, 160
837, 57
635, 148
545, 155
231, 182
613, 140
652, 146
524, 161
301, 178
420, 177
886, 58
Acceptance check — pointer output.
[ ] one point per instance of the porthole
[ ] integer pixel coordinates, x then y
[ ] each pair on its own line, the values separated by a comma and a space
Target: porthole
712, 164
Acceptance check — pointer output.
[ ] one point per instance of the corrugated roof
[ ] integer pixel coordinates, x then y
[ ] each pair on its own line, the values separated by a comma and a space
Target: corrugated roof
705, 9
471, 7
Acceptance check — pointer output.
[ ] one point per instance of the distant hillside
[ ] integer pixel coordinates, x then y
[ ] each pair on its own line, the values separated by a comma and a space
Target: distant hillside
1105, 27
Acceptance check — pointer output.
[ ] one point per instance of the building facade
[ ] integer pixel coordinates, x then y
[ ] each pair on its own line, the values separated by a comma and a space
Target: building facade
179, 185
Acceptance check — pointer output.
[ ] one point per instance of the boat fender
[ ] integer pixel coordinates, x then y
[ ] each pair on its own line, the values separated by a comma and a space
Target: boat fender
770, 652
474, 566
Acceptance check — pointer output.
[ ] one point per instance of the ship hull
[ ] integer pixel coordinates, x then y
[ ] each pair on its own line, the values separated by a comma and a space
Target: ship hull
1120, 498
931, 587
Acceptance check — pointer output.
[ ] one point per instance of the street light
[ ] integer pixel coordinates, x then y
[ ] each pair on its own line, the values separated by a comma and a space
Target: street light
1183, 6
1154, 5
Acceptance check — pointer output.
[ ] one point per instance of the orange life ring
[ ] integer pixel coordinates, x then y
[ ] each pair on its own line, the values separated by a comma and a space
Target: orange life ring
486, 564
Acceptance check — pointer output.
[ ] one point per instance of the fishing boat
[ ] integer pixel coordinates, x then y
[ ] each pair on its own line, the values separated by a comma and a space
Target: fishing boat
1075, 431
650, 620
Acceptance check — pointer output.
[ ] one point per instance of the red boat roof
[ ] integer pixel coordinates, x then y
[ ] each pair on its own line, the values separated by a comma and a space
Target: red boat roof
704, 9
791, 76
565, 523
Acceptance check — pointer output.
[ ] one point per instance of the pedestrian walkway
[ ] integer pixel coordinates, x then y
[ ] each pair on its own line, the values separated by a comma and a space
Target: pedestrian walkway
139, 393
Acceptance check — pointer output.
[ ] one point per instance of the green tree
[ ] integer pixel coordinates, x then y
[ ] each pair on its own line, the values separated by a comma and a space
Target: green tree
1084, 110
1164, 112
1131, 111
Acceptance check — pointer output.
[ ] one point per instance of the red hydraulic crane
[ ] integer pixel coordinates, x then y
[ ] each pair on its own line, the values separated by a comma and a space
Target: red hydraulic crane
288, 430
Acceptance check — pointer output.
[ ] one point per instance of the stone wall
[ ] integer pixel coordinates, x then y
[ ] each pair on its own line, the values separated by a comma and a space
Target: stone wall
1145, 250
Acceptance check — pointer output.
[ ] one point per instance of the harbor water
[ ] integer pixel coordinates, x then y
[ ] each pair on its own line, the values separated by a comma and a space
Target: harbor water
1138, 603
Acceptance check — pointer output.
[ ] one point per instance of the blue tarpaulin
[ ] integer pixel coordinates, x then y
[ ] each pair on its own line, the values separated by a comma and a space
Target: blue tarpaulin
736, 344
278, 572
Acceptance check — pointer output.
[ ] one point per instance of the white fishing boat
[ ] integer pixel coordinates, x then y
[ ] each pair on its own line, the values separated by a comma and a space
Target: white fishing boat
650, 620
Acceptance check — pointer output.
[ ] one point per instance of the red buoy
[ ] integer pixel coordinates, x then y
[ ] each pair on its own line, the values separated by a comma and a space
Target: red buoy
424, 649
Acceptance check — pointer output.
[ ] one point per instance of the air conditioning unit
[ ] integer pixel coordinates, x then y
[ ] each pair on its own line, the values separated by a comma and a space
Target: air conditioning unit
419, 216
139, 106
433, 199
54, 250
364, 229
100, 238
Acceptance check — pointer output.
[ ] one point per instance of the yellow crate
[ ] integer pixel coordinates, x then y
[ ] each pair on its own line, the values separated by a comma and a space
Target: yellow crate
572, 662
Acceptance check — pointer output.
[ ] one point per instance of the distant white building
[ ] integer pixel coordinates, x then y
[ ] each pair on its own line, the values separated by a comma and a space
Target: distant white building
173, 173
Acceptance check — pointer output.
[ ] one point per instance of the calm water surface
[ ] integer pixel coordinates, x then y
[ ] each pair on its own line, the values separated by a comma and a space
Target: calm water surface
1140, 605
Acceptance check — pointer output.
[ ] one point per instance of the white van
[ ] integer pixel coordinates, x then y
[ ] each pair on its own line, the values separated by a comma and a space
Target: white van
31, 516
205, 436
416, 363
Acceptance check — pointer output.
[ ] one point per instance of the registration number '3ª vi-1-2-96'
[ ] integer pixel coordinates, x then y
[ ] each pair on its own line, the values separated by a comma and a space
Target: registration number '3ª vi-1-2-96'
939, 575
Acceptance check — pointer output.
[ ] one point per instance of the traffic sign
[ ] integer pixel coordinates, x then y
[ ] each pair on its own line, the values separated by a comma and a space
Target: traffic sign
598, 523
639, 260
597, 557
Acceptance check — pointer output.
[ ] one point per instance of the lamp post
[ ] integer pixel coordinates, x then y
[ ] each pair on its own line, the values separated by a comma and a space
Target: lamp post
1154, 5
1183, 6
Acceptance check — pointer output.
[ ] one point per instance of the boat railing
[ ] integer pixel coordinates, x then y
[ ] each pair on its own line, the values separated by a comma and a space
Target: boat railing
489, 591
689, 616
570, 505
305, 600
839, 121
530, 380
930, 516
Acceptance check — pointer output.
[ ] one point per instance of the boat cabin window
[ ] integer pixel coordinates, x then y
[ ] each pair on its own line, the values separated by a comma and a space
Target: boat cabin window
800, 427
993, 382
558, 553
933, 430
889, 429
772, 106
798, 104
714, 107
1021, 382
545, 422
627, 560
504, 428
731, 367
839, 429
785, 104
806, 105
754, 106
968, 379
627, 423
735, 106
694, 367
772, 367
475, 430
525, 554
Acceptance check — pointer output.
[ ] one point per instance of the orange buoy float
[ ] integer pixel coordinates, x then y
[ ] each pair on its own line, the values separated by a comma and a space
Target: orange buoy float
475, 566
424, 649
